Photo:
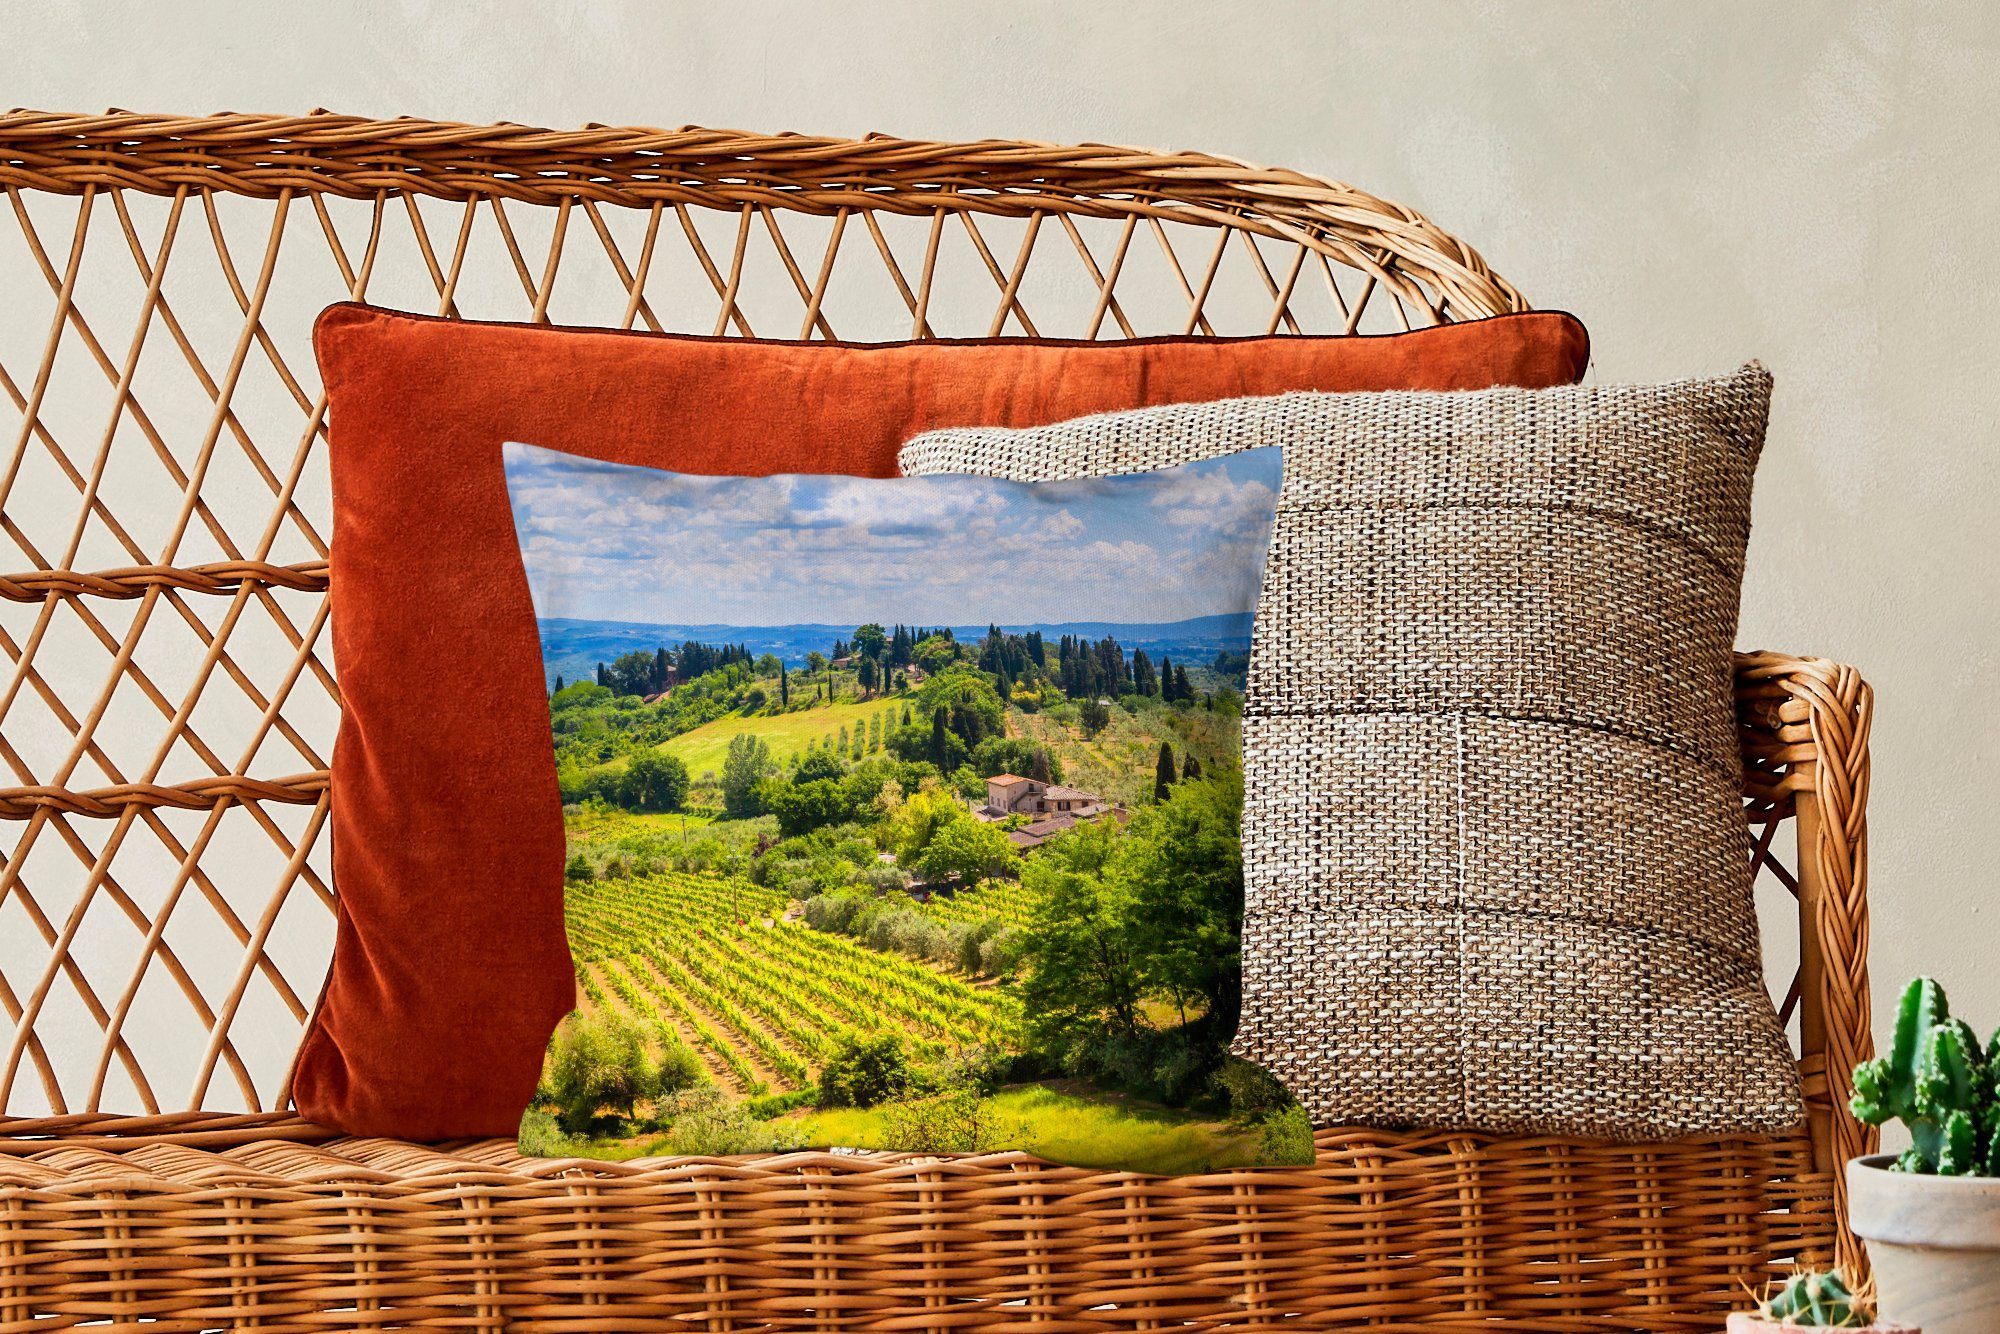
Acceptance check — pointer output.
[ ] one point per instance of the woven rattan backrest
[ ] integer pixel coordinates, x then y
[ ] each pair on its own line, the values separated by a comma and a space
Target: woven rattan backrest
169, 707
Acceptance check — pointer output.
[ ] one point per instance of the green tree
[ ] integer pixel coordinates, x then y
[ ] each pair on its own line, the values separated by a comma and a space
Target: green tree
1190, 768
632, 674
748, 761
967, 851
819, 763
1095, 716
804, 807
940, 732
601, 1066
1144, 679
920, 819
1163, 773
1014, 755
1081, 971
1183, 860
784, 687
863, 1071
870, 640
654, 782
935, 653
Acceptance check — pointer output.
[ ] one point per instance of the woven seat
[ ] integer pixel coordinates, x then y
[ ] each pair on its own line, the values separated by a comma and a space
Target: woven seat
164, 908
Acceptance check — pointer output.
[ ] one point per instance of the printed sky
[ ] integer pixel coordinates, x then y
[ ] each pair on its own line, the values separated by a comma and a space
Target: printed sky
604, 541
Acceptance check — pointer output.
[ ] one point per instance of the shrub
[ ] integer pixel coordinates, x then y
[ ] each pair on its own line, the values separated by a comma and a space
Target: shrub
834, 912
578, 870
817, 765
956, 1121
705, 1122
1252, 1090
599, 1068
968, 943
864, 1071
541, 1137
982, 1069
1001, 955
884, 878
1287, 1138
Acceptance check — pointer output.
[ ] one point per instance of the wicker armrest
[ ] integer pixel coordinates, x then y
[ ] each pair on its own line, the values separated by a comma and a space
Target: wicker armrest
1804, 727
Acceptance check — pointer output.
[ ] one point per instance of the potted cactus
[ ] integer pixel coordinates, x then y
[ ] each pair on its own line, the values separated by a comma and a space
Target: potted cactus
1931, 1215
1812, 1300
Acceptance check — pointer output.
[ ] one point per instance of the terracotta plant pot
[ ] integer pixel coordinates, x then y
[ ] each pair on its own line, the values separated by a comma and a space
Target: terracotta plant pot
1748, 1322
1934, 1243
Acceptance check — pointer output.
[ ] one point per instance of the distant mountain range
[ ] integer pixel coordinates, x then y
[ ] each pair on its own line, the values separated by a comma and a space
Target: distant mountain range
572, 649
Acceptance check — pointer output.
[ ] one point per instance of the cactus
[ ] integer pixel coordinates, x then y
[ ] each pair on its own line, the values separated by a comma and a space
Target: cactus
1940, 1082
1817, 1301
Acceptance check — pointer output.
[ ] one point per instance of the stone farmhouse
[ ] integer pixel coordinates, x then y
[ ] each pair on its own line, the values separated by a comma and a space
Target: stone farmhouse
1049, 807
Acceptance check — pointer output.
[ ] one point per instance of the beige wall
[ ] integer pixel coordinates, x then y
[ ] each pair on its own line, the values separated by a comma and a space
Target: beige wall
1813, 185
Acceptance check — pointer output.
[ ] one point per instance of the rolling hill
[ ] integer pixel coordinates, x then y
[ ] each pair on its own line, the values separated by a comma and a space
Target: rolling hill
572, 648
703, 749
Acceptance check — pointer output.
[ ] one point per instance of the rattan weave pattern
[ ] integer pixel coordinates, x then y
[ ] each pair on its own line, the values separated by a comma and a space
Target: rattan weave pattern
165, 897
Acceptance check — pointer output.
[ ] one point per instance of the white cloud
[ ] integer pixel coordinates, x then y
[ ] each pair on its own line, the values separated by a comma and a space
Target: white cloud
616, 543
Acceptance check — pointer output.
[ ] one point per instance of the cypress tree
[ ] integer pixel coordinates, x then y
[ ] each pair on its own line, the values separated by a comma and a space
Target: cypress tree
784, 686
940, 739
1190, 768
558, 689
1167, 680
1181, 688
1038, 768
600, 676
1163, 773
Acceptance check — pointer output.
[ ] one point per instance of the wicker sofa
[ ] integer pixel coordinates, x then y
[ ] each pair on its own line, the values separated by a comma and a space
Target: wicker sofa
165, 902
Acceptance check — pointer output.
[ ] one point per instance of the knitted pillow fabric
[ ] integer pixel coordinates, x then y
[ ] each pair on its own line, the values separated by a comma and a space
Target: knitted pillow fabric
1496, 866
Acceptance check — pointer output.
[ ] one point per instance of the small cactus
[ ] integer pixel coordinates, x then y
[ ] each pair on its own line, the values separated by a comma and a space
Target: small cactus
1940, 1082
1817, 1301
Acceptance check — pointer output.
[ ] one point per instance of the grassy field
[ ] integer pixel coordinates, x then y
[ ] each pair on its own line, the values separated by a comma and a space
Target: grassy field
1118, 762
704, 749
1085, 1128
608, 823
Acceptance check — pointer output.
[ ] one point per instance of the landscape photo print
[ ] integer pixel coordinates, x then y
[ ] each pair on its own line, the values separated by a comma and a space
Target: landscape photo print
902, 814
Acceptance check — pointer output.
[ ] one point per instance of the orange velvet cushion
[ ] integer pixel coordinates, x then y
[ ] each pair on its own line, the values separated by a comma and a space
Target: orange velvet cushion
450, 967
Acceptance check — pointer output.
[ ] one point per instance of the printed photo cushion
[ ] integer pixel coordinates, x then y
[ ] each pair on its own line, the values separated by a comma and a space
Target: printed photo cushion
1496, 860
449, 966
902, 814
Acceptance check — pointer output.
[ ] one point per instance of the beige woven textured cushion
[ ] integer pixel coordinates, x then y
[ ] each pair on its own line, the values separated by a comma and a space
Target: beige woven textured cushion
1496, 866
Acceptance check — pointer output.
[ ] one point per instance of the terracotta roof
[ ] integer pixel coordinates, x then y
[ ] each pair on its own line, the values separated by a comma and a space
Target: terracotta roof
1008, 780
1070, 794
